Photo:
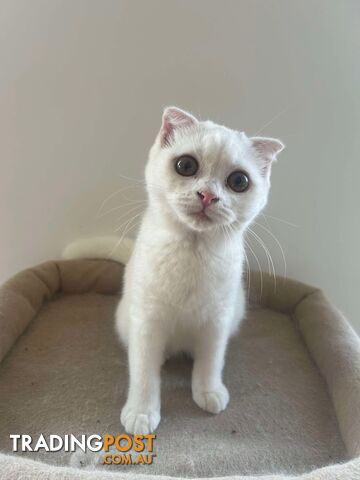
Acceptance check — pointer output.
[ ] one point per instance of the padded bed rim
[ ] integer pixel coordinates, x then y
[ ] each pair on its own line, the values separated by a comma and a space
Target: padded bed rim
331, 341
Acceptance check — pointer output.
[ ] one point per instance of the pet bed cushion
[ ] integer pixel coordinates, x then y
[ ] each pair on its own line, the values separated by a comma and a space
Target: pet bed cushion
293, 372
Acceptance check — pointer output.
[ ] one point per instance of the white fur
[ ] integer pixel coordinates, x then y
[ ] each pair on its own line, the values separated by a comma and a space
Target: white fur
183, 289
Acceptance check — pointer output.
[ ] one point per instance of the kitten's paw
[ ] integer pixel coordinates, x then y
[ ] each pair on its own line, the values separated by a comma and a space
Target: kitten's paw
213, 401
140, 422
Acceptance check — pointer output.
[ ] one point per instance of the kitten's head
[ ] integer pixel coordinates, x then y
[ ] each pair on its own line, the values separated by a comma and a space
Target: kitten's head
207, 175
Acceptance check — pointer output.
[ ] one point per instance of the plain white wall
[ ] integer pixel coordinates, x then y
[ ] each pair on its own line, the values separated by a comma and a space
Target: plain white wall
83, 84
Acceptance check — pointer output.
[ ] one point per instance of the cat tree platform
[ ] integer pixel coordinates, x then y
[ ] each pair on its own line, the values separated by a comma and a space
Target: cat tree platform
293, 374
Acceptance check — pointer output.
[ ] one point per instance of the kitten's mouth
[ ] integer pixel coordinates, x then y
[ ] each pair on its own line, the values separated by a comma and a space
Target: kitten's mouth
198, 220
201, 215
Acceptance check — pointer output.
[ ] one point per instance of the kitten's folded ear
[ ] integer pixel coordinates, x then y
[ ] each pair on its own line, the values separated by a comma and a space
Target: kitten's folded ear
172, 119
267, 150
268, 147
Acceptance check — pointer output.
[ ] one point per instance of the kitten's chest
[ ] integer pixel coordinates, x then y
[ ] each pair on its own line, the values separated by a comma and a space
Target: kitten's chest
187, 276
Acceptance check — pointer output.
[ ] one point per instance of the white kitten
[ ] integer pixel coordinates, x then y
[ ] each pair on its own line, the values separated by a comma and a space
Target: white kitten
183, 288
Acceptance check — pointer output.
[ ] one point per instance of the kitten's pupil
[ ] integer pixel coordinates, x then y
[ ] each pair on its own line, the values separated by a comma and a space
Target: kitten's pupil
238, 181
186, 165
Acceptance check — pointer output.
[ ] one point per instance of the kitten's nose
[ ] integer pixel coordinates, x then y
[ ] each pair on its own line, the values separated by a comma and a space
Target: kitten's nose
207, 198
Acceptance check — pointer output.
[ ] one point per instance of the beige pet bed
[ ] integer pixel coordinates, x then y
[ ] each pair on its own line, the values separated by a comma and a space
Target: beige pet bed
293, 373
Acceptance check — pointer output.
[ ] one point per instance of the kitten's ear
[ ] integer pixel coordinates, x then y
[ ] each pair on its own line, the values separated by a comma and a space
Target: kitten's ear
172, 119
267, 149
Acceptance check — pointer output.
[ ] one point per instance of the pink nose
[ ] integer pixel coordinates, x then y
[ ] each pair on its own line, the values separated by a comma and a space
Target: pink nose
207, 198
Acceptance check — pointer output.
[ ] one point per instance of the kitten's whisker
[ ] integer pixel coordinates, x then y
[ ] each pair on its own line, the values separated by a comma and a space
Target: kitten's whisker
278, 243
266, 220
248, 274
272, 120
232, 228
258, 264
140, 181
279, 220
104, 202
250, 232
270, 262
126, 230
129, 227
139, 203
125, 214
132, 218
112, 195
122, 237
131, 179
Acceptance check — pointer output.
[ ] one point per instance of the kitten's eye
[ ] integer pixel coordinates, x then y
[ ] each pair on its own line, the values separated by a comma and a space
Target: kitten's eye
238, 181
186, 165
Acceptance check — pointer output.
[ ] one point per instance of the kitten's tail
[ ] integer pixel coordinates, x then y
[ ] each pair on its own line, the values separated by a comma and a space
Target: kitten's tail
108, 248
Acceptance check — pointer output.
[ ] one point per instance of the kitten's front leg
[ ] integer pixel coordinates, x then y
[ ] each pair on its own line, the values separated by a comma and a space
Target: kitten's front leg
208, 390
141, 413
